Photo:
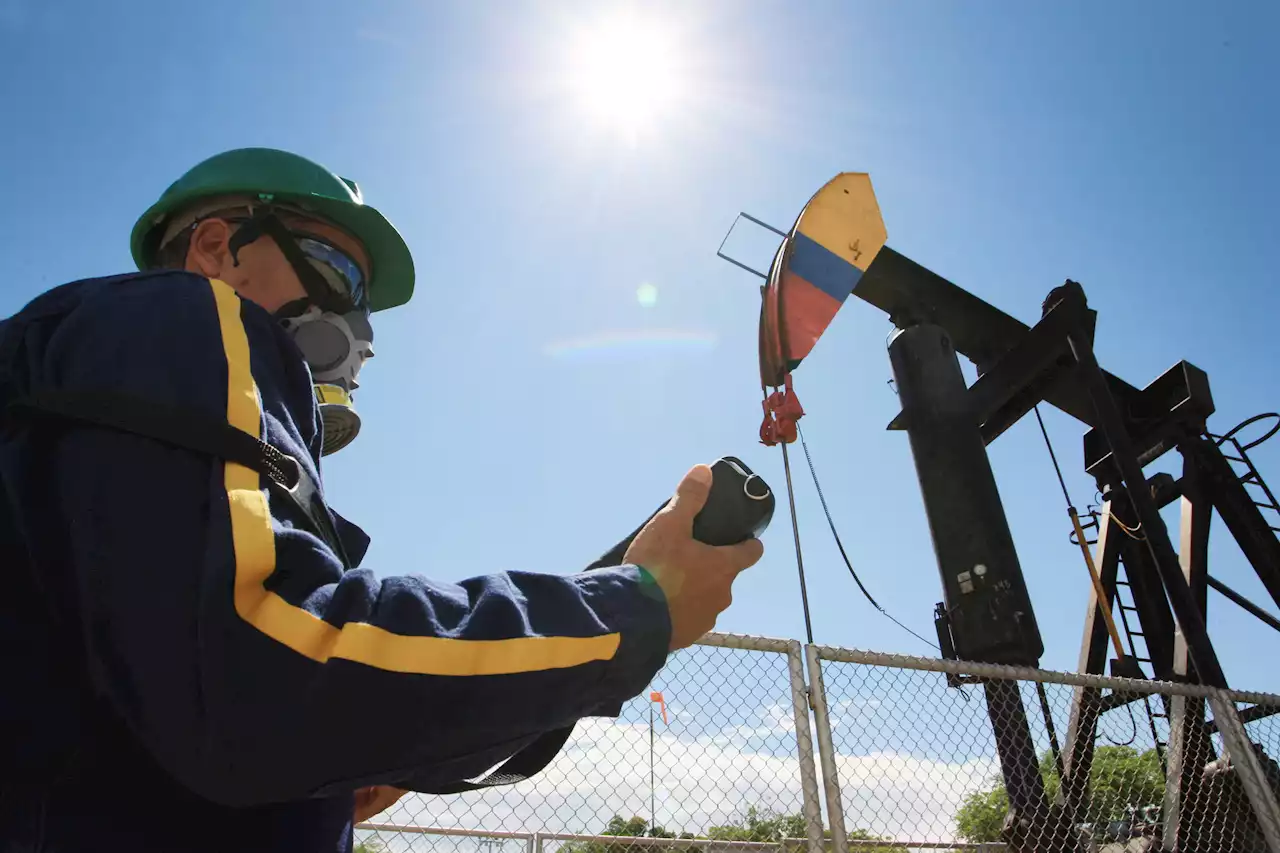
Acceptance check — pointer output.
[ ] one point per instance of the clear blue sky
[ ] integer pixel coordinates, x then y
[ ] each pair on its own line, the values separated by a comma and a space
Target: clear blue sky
1127, 146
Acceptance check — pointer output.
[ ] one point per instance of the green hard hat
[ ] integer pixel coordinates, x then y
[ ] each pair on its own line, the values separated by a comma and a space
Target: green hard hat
281, 177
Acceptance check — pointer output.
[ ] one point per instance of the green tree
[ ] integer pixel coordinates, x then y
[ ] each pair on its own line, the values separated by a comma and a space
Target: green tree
981, 816
369, 845
755, 824
634, 827
760, 825
863, 835
1121, 778
763, 825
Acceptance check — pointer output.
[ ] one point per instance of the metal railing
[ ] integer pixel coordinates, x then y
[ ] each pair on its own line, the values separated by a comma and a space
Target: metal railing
908, 761
536, 842
912, 753
736, 747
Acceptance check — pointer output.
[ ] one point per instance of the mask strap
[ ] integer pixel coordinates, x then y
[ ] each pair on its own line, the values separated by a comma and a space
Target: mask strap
296, 308
268, 224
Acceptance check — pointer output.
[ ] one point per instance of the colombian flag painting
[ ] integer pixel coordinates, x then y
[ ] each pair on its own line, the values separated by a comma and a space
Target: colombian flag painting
833, 241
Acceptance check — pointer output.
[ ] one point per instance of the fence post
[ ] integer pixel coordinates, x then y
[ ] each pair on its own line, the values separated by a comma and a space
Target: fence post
804, 746
1236, 740
826, 752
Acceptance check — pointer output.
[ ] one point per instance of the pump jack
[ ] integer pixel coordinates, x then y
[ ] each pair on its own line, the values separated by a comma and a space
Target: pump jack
1053, 361
987, 616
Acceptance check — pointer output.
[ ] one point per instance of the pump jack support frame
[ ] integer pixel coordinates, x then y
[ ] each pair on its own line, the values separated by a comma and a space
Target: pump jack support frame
1053, 361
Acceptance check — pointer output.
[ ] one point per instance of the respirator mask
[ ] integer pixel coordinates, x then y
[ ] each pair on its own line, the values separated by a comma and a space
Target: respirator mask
330, 325
335, 347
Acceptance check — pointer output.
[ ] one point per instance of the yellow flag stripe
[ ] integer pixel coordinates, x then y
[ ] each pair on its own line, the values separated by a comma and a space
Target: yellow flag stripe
844, 218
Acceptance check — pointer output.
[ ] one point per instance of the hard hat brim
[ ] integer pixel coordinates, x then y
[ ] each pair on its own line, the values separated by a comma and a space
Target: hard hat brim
392, 274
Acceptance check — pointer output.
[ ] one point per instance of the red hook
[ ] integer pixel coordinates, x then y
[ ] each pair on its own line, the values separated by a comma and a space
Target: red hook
781, 411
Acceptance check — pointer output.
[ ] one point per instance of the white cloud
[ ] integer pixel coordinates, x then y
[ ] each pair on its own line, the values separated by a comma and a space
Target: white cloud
605, 771
909, 753
704, 780
904, 797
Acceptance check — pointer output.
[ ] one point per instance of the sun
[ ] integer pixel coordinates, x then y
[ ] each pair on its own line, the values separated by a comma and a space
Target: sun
625, 73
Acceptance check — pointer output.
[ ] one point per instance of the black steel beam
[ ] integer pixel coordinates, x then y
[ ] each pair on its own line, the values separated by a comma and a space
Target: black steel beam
1147, 590
1249, 715
1155, 535
1190, 748
1017, 752
987, 608
1021, 378
1241, 515
1257, 612
1035, 826
1164, 489
911, 294
1177, 403
985, 593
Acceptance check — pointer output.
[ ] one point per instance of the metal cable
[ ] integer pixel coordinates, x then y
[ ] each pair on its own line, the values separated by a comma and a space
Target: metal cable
795, 531
1133, 721
1053, 456
1071, 509
1101, 593
848, 564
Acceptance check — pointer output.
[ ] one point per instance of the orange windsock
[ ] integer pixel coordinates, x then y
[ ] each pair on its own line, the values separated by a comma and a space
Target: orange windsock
656, 696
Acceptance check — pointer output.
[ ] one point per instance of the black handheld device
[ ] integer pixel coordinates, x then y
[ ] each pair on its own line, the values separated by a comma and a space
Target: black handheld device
739, 508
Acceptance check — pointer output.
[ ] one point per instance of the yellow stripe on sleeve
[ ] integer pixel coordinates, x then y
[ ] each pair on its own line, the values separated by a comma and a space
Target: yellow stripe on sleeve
307, 634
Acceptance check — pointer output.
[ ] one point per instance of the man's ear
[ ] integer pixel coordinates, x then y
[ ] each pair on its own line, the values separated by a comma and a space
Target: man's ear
208, 251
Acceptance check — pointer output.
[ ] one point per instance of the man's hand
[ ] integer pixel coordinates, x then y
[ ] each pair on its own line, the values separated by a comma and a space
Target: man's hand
375, 800
695, 578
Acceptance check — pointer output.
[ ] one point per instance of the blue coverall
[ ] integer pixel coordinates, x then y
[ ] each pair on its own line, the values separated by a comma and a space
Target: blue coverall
185, 667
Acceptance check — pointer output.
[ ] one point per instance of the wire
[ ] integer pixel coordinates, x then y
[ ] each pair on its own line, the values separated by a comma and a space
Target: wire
1093, 510
840, 545
1071, 509
795, 526
1133, 721
1098, 588
1131, 532
1053, 456
795, 531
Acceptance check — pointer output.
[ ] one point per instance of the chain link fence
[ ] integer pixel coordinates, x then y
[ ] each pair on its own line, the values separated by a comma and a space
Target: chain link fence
945, 751
730, 760
915, 754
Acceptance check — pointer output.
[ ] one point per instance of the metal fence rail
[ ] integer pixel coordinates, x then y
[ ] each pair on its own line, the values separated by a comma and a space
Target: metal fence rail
539, 842
912, 754
908, 756
736, 747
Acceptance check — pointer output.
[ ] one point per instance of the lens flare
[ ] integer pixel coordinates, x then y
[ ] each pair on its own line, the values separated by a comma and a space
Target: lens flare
647, 295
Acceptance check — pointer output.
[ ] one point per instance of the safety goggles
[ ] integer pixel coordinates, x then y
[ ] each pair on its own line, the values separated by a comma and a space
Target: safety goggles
340, 272
333, 280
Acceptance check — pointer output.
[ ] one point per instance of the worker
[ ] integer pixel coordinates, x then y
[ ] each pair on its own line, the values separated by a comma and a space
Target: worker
193, 658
